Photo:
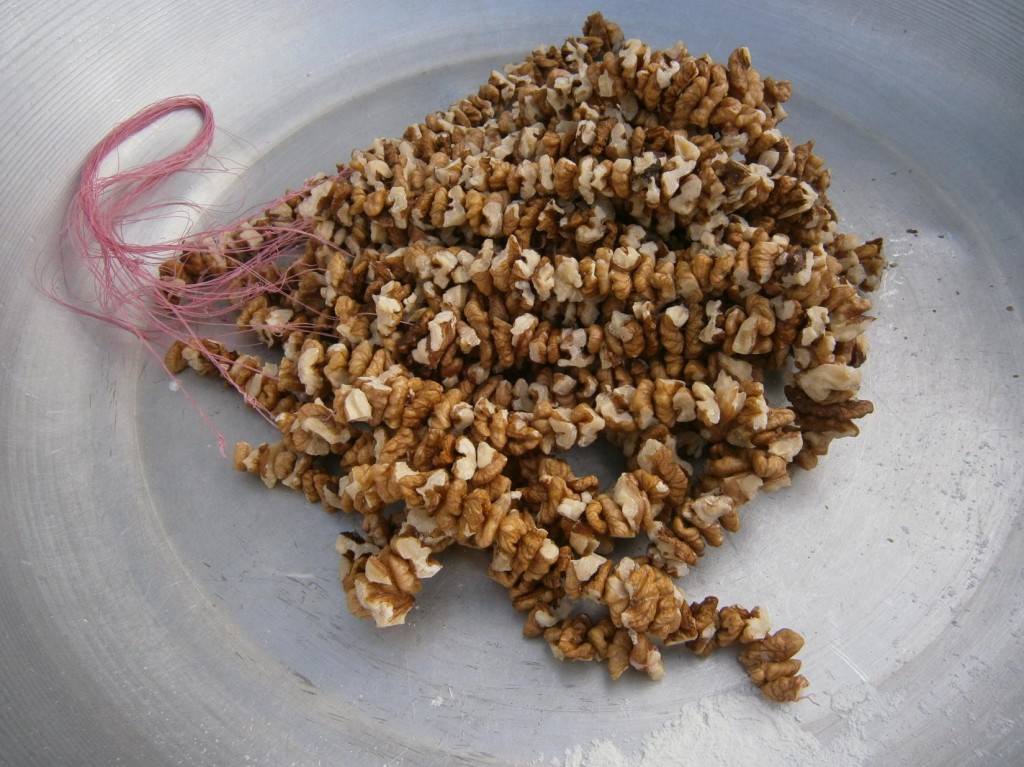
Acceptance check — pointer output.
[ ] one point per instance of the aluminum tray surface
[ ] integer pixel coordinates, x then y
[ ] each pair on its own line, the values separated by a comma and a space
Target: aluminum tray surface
157, 608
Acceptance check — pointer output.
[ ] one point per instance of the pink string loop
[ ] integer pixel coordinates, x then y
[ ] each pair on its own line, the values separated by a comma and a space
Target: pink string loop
130, 293
102, 204
154, 172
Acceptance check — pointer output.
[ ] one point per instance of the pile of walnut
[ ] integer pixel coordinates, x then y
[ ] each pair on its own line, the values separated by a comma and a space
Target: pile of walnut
605, 242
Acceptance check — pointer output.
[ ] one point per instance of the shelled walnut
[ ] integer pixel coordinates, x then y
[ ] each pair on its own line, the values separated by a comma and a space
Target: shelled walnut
605, 242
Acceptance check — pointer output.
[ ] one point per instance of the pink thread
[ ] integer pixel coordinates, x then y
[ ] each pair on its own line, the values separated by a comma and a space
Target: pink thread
130, 293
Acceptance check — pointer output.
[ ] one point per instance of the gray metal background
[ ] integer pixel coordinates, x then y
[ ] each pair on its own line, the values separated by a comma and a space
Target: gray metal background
158, 609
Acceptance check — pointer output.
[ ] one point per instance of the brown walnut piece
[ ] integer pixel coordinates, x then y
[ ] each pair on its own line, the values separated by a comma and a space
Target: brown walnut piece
604, 242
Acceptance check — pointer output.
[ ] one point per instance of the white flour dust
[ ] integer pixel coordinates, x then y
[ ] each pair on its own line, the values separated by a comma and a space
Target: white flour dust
742, 729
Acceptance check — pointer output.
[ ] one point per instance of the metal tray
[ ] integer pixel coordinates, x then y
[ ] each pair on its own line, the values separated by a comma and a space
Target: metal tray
157, 608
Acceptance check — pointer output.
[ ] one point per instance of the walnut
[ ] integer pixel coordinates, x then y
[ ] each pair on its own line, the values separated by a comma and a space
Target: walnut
770, 665
707, 408
630, 506
660, 460
383, 583
309, 362
313, 430
670, 552
355, 405
521, 550
645, 656
441, 333
604, 242
465, 467
705, 626
830, 382
272, 463
740, 625
641, 597
388, 308
754, 334
586, 567
541, 617
568, 640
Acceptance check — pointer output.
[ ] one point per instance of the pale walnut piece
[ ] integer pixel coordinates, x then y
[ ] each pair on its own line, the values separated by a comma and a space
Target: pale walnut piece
606, 243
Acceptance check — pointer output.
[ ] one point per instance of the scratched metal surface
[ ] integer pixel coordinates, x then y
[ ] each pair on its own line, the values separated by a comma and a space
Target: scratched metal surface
158, 609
